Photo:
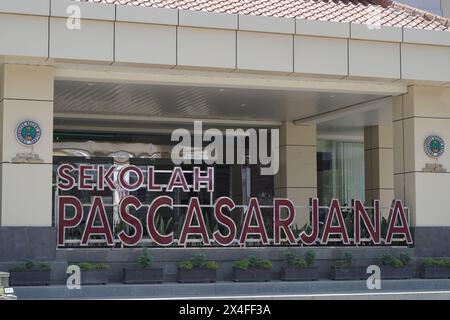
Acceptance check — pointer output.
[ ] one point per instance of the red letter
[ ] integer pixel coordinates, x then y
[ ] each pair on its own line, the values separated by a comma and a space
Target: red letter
83, 177
131, 220
253, 207
335, 209
151, 186
373, 229
105, 176
208, 179
225, 221
161, 201
284, 224
104, 229
194, 208
134, 185
68, 181
177, 180
63, 223
397, 210
311, 239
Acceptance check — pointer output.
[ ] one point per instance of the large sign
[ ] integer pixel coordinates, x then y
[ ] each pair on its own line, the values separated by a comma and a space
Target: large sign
129, 179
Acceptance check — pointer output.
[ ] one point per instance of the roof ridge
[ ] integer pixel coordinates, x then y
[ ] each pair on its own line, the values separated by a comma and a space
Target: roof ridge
417, 12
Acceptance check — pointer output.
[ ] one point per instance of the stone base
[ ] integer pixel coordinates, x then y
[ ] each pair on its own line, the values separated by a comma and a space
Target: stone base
432, 241
22, 243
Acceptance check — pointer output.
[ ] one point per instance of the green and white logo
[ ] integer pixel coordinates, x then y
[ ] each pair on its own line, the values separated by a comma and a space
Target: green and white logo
434, 146
28, 133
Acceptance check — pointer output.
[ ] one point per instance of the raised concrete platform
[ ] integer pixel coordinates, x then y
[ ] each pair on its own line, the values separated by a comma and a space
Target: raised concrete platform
229, 290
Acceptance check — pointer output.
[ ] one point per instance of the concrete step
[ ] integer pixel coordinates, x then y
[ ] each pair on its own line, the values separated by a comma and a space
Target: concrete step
230, 289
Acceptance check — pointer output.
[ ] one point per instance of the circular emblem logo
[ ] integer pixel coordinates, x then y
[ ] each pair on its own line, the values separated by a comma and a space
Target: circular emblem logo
28, 133
434, 146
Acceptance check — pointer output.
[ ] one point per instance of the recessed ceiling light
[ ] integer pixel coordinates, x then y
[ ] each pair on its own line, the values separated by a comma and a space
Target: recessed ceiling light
243, 105
221, 90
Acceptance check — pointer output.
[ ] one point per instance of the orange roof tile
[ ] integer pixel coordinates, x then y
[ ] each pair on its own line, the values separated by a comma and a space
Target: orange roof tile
376, 12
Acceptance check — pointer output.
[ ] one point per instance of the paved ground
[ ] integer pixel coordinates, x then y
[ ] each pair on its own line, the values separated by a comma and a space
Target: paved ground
324, 289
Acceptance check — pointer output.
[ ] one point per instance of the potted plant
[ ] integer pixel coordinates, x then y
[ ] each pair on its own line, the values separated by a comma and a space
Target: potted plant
252, 269
344, 270
396, 268
197, 269
435, 268
30, 274
300, 269
143, 273
93, 273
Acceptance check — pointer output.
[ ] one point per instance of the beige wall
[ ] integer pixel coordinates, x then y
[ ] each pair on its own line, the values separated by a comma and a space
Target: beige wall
445, 4
26, 189
297, 177
379, 165
422, 112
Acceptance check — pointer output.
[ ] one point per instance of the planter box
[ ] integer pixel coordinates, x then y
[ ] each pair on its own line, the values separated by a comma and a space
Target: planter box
348, 273
388, 272
252, 275
196, 275
434, 272
91, 277
300, 274
142, 275
29, 278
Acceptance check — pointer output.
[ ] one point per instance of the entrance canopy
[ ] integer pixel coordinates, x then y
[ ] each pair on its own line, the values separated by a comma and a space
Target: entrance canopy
158, 106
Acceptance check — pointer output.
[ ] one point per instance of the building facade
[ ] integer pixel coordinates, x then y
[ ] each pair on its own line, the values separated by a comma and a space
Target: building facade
354, 88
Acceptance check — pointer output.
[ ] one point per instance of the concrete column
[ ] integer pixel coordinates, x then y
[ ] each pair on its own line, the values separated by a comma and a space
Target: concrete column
423, 111
379, 165
26, 188
297, 177
445, 6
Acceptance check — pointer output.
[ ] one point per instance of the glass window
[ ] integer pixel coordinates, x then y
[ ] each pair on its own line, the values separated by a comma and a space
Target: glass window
340, 171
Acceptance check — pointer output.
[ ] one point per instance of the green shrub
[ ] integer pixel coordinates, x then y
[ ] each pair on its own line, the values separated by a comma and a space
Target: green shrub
18, 267
145, 259
294, 261
186, 265
212, 265
242, 264
198, 260
301, 263
310, 258
291, 258
430, 262
388, 259
101, 266
264, 264
89, 266
252, 261
405, 258
44, 266
345, 261
30, 265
